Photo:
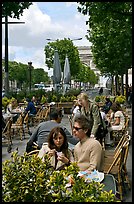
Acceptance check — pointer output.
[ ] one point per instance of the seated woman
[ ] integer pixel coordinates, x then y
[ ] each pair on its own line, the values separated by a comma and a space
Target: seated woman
57, 149
118, 122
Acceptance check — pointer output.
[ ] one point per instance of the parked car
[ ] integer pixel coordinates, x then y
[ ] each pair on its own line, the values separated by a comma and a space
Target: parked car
39, 86
48, 87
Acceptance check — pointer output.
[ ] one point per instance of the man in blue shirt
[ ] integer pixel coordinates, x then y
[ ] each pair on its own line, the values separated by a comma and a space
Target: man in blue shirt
31, 108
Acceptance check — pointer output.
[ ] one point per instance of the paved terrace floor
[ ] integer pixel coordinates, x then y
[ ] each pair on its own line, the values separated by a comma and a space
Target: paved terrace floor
21, 145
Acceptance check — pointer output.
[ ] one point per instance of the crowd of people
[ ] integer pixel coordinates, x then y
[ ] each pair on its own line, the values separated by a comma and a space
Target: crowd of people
53, 139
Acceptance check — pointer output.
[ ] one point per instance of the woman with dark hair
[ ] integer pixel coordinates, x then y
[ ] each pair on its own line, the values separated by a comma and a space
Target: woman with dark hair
117, 115
57, 149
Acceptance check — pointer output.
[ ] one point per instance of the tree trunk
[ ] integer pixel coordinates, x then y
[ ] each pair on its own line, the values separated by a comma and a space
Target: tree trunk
122, 85
126, 86
116, 84
112, 85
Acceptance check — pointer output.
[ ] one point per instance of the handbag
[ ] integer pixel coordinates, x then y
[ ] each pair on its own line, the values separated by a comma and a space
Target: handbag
102, 129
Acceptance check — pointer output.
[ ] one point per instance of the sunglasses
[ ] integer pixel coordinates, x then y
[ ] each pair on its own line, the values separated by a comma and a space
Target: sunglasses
76, 128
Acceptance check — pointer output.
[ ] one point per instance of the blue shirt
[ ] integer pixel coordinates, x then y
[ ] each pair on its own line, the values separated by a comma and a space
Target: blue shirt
31, 108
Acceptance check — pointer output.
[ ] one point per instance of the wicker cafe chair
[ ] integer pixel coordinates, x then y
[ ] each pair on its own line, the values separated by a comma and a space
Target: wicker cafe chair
112, 153
6, 134
44, 114
17, 127
115, 166
36, 119
36, 151
71, 122
26, 124
117, 134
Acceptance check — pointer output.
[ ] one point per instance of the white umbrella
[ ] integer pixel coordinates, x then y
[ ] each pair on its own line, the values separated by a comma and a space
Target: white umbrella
66, 74
56, 70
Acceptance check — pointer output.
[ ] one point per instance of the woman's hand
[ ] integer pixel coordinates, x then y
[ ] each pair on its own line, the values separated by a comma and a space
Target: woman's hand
51, 152
63, 159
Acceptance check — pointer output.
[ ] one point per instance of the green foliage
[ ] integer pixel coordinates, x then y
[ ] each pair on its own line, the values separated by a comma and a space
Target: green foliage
21, 73
100, 98
43, 99
28, 179
73, 92
64, 47
120, 99
39, 75
87, 75
54, 98
109, 24
5, 102
25, 179
14, 9
97, 99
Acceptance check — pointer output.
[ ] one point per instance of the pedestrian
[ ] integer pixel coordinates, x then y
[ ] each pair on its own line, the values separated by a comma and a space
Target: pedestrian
57, 149
88, 151
101, 91
40, 134
91, 110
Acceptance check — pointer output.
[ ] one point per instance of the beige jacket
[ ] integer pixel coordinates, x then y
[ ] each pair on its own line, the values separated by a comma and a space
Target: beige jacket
46, 149
93, 116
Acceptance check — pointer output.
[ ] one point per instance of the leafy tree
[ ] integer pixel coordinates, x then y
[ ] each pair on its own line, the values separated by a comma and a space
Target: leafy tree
39, 75
14, 9
64, 47
20, 73
110, 31
87, 75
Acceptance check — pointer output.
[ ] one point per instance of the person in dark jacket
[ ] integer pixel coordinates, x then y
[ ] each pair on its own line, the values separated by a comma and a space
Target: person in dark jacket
31, 107
107, 105
40, 135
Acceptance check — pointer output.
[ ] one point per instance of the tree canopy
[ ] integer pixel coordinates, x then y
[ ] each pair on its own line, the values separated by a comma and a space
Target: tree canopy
64, 47
20, 73
110, 31
14, 9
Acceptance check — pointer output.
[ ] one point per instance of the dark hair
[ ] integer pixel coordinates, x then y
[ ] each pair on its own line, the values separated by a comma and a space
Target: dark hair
53, 133
84, 123
115, 107
55, 113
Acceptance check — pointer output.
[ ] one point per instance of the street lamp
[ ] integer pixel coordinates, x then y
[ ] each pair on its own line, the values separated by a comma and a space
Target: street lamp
49, 39
30, 66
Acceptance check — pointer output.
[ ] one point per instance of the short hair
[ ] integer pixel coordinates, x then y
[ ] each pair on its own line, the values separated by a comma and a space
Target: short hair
115, 107
84, 123
55, 113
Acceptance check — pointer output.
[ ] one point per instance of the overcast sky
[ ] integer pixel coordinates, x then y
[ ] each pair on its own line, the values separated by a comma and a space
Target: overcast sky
55, 20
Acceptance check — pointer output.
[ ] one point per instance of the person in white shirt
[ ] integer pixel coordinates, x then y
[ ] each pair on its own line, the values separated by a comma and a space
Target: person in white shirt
76, 109
119, 118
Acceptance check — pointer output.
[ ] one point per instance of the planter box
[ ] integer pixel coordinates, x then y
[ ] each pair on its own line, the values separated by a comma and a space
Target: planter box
67, 106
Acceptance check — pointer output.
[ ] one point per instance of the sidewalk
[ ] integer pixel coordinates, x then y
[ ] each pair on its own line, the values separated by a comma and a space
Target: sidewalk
21, 145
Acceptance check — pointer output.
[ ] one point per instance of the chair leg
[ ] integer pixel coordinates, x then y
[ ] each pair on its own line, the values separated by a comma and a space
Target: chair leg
21, 133
120, 186
126, 177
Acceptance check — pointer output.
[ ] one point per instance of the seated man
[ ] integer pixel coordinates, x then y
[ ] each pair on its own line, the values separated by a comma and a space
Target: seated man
31, 107
88, 151
40, 135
